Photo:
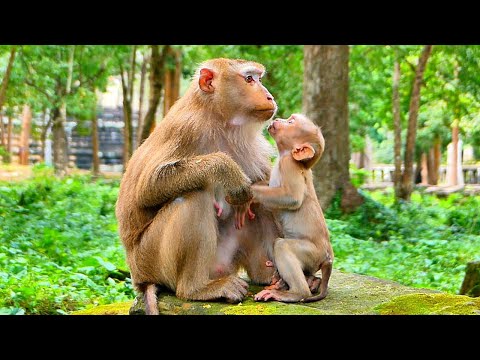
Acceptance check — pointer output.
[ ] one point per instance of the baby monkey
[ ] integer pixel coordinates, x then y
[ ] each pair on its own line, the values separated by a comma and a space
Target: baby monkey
305, 246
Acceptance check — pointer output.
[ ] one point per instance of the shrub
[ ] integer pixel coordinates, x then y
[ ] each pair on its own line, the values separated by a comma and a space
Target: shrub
59, 247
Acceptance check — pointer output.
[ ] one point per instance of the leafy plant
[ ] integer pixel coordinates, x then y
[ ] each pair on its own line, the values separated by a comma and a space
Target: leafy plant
358, 176
426, 243
59, 245
60, 251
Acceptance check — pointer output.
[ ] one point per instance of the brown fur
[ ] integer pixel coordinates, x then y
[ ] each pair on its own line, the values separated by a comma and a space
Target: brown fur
208, 145
305, 246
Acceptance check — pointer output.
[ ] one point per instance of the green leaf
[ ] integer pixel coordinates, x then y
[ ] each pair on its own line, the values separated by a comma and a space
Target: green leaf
106, 264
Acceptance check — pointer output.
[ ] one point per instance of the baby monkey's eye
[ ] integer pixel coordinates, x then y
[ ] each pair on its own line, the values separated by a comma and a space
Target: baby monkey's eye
249, 78
291, 121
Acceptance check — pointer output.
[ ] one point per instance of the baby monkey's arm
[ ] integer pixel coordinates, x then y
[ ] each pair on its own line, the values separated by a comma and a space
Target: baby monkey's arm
289, 195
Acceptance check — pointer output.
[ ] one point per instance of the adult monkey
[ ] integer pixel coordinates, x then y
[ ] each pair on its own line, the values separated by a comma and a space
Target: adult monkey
167, 220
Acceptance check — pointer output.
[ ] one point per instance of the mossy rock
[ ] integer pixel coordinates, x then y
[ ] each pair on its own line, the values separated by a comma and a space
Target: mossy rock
430, 304
349, 294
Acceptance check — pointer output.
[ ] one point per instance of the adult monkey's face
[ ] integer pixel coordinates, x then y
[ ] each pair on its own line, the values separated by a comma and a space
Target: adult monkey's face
236, 87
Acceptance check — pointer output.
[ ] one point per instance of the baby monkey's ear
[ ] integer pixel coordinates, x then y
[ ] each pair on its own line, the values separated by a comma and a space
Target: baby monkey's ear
303, 152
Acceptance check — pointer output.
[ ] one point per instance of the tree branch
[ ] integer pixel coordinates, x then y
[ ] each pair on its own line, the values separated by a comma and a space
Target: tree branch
412, 67
39, 89
88, 82
122, 76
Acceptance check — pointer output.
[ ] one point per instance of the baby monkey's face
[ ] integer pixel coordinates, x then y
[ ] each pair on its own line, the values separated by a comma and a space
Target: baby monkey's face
297, 129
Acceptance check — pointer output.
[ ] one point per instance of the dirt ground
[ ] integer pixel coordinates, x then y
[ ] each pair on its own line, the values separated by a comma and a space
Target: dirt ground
14, 172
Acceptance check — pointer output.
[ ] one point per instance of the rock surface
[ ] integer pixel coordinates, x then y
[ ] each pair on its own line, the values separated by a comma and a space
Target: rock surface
349, 294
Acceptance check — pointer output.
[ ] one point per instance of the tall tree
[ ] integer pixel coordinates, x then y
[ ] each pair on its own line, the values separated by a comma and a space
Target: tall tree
325, 101
143, 73
9, 134
455, 129
25, 135
60, 144
7, 157
156, 78
407, 176
128, 79
61, 78
173, 73
95, 142
3, 92
6, 76
43, 132
453, 180
397, 127
433, 161
3, 131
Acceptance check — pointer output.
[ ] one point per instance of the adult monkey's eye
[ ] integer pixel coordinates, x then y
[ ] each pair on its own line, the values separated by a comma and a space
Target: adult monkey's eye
249, 78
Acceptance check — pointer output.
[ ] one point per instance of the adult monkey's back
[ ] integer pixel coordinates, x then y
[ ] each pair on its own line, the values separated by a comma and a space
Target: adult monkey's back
165, 209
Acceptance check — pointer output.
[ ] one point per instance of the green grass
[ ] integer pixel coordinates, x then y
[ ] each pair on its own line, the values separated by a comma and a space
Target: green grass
60, 251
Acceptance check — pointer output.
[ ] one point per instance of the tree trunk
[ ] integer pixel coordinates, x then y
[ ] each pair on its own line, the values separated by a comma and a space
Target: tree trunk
24, 151
131, 82
60, 143
454, 177
43, 134
325, 96
127, 91
9, 133
60, 150
46, 127
471, 282
127, 137
424, 169
407, 181
2, 131
172, 80
127, 119
6, 77
131, 72
95, 143
437, 156
3, 92
433, 162
417, 178
7, 159
156, 77
143, 72
397, 128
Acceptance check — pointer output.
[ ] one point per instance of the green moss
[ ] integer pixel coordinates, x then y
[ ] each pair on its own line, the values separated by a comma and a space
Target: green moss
430, 304
111, 309
270, 308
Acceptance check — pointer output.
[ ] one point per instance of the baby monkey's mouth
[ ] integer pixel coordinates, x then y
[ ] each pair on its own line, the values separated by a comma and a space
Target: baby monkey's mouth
272, 127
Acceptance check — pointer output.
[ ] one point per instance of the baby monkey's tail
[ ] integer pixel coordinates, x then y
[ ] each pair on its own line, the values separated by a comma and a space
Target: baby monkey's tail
326, 272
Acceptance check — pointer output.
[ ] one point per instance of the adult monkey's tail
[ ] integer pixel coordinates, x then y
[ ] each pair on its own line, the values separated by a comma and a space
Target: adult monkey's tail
150, 298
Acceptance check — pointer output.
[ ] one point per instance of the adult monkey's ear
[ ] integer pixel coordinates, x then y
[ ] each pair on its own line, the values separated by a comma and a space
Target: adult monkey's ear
205, 80
303, 152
